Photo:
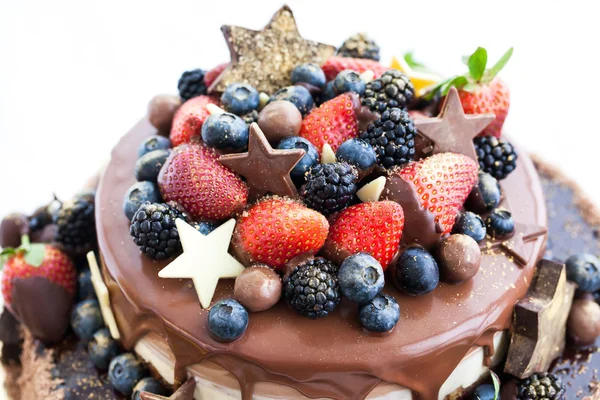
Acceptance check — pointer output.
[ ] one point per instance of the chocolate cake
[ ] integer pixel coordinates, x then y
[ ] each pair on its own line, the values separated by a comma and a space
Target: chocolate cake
304, 224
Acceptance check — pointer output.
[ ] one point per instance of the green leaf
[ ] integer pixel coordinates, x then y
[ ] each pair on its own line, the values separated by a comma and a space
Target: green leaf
410, 60
496, 382
434, 90
465, 60
471, 87
492, 72
477, 63
35, 255
458, 82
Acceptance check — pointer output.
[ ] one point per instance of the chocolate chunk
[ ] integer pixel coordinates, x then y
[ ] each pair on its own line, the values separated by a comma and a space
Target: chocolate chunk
459, 258
540, 321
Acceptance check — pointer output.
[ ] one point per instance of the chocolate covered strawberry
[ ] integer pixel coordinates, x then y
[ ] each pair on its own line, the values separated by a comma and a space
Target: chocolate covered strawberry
188, 120
374, 228
334, 65
276, 230
333, 122
205, 188
36, 260
442, 183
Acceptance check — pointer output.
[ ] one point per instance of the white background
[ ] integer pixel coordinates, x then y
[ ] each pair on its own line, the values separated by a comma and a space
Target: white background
76, 75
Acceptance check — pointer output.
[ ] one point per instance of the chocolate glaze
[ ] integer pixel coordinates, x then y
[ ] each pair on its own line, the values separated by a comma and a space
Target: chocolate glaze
332, 357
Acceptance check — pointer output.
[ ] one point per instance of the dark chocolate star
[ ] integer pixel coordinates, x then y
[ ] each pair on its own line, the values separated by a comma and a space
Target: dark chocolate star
267, 170
265, 59
539, 321
515, 246
185, 392
452, 131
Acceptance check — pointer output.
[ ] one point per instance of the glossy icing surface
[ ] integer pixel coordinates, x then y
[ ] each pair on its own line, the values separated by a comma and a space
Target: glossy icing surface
332, 357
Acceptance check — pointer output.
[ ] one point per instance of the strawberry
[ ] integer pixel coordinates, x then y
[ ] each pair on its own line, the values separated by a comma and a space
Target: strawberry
276, 230
480, 91
205, 188
36, 260
375, 228
188, 119
333, 122
334, 65
443, 183
211, 75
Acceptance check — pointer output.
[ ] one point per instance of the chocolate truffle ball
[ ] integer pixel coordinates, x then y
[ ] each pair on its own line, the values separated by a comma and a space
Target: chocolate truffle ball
279, 120
12, 227
583, 325
161, 111
257, 288
459, 258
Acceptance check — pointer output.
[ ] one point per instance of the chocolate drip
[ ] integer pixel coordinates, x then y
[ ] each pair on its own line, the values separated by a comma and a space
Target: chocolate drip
315, 356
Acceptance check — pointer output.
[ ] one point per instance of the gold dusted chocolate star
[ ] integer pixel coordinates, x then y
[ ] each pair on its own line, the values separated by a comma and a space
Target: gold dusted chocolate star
265, 59
185, 392
266, 170
452, 131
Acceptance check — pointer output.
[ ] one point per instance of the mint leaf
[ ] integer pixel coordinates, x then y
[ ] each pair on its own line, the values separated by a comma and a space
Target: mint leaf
477, 63
492, 72
496, 382
35, 255
458, 82
410, 60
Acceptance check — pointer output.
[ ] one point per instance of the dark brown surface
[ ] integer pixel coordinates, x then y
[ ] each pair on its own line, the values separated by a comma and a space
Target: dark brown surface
339, 360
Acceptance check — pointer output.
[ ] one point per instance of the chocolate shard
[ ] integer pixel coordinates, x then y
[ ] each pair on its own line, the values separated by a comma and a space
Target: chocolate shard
539, 321
43, 307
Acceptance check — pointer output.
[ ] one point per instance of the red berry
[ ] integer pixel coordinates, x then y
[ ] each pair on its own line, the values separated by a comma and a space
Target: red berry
334, 65
276, 230
443, 183
56, 267
205, 188
211, 75
375, 228
333, 122
488, 98
188, 120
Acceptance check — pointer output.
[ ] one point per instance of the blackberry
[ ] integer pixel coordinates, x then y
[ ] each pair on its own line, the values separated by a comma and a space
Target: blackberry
191, 84
154, 231
329, 187
392, 90
393, 137
541, 386
359, 46
76, 225
496, 157
312, 288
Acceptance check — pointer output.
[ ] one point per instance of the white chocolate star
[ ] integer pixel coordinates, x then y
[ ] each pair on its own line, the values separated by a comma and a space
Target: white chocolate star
103, 296
205, 259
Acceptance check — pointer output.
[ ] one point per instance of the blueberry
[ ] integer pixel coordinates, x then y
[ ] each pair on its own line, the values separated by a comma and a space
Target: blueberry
309, 73
240, 98
485, 392
85, 289
500, 223
470, 224
39, 219
358, 153
328, 93
584, 270
297, 95
380, 314
225, 131
486, 195
148, 166
152, 143
124, 372
349, 81
205, 227
139, 193
86, 319
149, 385
102, 349
416, 271
227, 320
360, 278
310, 158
